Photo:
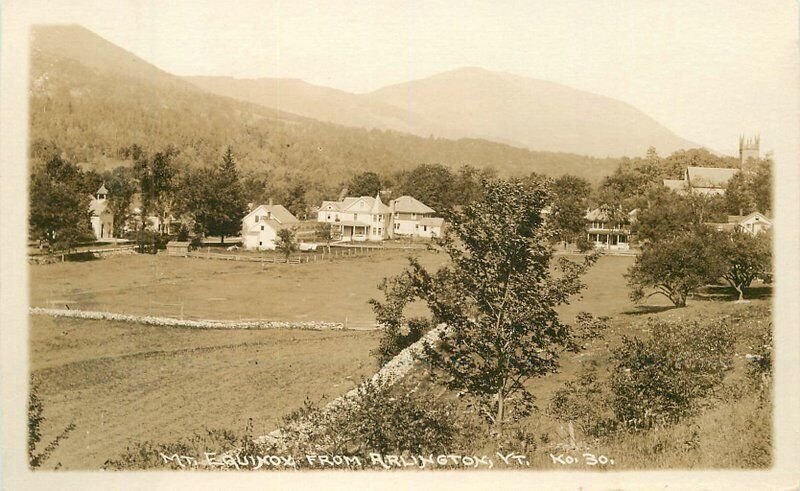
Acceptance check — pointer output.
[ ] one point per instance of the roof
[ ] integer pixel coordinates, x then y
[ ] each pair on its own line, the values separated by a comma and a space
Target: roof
409, 204
278, 212
675, 184
102, 189
597, 215
757, 216
432, 221
709, 177
375, 205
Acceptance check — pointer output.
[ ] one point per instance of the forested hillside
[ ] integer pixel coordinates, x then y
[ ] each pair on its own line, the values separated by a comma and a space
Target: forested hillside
93, 99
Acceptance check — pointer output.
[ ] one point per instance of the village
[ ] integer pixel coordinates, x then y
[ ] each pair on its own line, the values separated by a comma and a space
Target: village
461, 265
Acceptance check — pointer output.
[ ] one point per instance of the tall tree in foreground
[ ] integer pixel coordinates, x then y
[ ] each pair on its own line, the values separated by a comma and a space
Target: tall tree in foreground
498, 298
59, 208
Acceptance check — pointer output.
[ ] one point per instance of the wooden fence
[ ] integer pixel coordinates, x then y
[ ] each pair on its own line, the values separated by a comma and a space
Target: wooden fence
305, 258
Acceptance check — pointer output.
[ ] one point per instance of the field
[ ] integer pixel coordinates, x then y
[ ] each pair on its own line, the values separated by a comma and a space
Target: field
121, 383
332, 291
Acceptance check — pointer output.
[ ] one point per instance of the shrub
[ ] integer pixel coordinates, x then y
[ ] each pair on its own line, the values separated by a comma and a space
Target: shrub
36, 420
583, 244
658, 381
584, 402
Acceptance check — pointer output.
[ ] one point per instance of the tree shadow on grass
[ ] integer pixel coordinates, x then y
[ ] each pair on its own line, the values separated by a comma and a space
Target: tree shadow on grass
649, 309
719, 293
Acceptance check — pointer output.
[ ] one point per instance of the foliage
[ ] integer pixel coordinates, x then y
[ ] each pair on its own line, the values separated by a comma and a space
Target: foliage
226, 198
570, 200
36, 420
664, 213
59, 204
585, 402
675, 267
751, 191
747, 257
498, 298
296, 202
364, 184
323, 231
380, 421
147, 454
286, 243
396, 333
583, 244
656, 382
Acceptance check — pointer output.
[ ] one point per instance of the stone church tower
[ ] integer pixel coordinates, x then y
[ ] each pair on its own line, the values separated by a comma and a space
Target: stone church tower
748, 149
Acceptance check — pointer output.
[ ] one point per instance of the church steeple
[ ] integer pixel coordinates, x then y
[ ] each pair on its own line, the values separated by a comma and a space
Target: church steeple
749, 151
102, 193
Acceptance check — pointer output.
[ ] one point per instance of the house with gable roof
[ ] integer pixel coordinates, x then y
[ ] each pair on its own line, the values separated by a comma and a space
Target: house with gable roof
754, 223
413, 218
102, 218
357, 219
260, 227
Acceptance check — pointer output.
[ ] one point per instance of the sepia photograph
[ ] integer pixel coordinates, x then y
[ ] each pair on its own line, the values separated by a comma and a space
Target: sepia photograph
414, 239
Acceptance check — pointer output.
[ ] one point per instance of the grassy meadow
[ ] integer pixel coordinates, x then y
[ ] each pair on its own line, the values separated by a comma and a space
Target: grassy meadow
121, 383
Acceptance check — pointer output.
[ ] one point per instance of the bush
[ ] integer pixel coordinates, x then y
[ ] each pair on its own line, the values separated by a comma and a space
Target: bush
585, 402
583, 244
658, 381
380, 422
36, 420
395, 339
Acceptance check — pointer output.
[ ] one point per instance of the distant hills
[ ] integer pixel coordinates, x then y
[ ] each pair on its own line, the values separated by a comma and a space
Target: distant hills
90, 98
471, 103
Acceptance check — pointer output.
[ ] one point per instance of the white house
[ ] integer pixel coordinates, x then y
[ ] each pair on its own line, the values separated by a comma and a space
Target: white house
102, 217
430, 227
754, 223
260, 227
605, 233
408, 214
357, 218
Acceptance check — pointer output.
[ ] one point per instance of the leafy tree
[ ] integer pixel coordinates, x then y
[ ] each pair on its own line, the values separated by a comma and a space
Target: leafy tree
675, 267
498, 298
749, 192
430, 183
664, 213
59, 207
747, 258
364, 184
122, 186
156, 176
570, 200
296, 201
224, 198
286, 242
397, 333
324, 232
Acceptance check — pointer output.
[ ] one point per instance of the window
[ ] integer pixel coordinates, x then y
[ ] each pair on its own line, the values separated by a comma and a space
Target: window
414, 216
260, 243
262, 227
424, 228
329, 216
355, 216
256, 218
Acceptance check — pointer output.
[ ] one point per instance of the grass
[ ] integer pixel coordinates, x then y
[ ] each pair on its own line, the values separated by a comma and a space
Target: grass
120, 383
335, 291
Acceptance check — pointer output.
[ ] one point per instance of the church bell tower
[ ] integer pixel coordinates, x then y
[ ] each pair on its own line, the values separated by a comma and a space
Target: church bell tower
748, 152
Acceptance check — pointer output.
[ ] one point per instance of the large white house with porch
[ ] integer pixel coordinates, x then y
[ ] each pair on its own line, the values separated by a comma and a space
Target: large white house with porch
260, 227
357, 219
606, 233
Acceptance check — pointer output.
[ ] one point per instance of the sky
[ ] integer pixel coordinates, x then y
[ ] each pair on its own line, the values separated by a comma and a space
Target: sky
708, 70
